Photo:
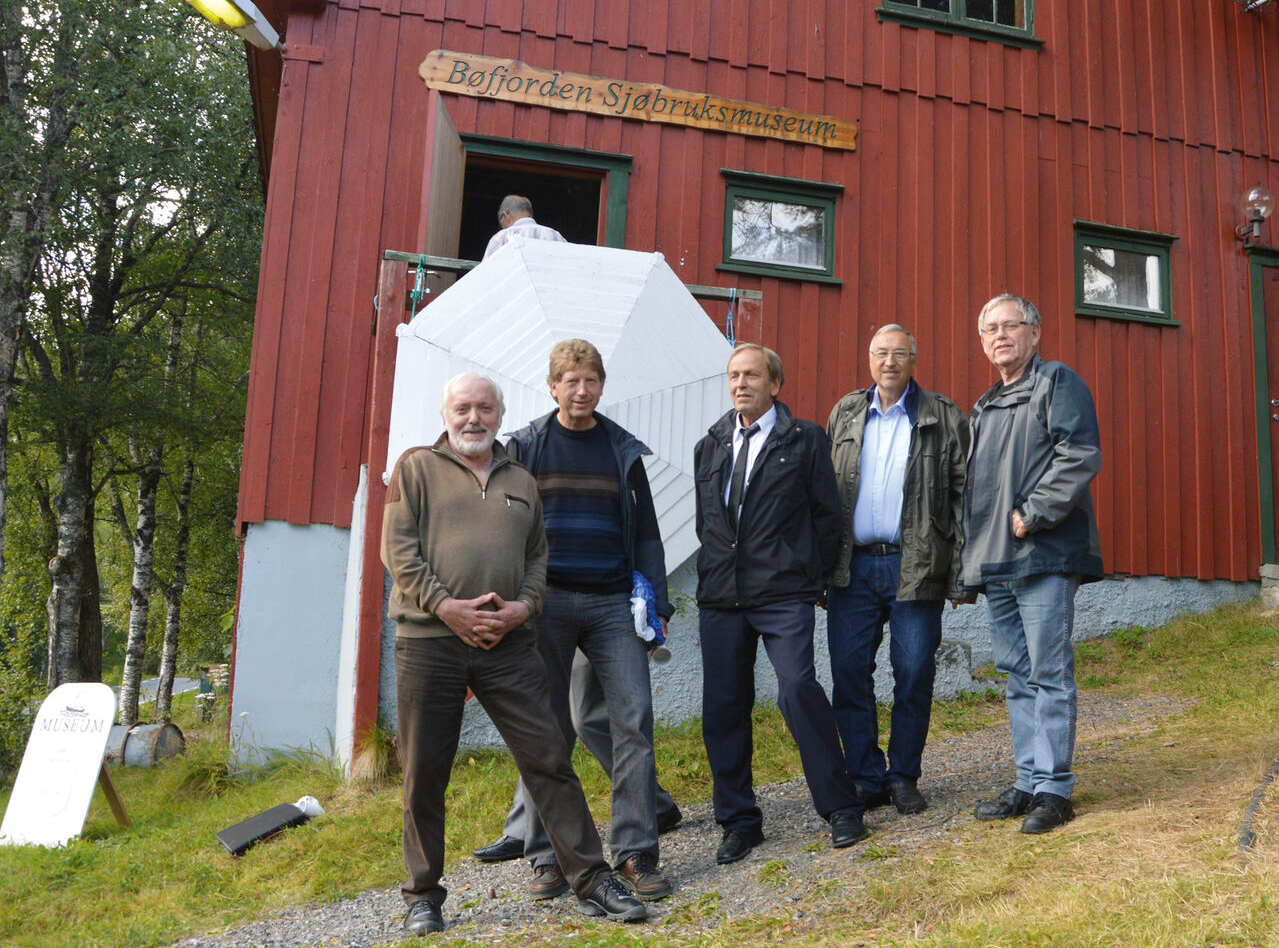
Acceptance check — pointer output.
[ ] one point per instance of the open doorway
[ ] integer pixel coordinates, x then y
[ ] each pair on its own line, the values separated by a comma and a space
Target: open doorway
580, 193
563, 197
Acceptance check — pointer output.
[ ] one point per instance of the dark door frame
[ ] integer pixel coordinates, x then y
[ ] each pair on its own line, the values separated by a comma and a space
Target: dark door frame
1259, 258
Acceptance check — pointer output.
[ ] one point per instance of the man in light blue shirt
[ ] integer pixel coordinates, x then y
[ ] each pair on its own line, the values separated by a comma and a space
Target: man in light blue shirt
899, 454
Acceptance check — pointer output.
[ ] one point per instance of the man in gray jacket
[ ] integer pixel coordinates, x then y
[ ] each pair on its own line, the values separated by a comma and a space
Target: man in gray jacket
899, 454
1030, 539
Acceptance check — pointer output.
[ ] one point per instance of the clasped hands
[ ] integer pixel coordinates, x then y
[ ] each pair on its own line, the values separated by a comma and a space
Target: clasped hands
483, 621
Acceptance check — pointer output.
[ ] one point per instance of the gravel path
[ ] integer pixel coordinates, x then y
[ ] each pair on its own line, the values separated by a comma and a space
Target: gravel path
487, 903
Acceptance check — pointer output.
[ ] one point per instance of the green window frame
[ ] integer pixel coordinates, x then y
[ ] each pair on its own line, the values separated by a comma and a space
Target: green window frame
1091, 237
744, 188
962, 17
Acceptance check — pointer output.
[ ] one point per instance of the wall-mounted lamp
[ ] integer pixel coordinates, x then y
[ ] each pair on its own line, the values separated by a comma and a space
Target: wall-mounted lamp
1256, 6
1257, 204
242, 17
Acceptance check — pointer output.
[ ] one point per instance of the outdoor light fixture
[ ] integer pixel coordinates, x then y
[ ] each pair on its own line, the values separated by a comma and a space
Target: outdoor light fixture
244, 18
1256, 6
1257, 204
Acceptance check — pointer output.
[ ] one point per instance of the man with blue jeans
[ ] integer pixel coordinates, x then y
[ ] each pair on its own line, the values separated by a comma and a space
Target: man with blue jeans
601, 528
899, 454
1030, 539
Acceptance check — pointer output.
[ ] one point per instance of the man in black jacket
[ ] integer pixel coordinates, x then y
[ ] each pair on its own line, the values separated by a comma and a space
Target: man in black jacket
768, 518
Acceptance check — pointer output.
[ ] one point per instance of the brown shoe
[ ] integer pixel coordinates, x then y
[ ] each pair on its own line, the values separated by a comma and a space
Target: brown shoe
547, 882
640, 875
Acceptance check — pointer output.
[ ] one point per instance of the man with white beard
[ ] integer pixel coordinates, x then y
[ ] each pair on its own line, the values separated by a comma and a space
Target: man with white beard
467, 578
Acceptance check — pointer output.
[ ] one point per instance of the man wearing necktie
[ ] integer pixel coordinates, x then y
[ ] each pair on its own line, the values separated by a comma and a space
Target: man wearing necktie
768, 518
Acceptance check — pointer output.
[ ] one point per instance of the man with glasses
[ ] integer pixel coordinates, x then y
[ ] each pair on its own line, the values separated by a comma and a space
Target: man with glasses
899, 454
1030, 539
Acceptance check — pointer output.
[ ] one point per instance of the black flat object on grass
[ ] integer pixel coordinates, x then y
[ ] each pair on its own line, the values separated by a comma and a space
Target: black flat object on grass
241, 837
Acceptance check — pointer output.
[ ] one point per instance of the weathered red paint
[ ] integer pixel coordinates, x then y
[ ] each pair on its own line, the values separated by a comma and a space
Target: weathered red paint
974, 158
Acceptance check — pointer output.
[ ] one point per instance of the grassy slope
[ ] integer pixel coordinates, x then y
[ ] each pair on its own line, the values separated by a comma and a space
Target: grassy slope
1153, 862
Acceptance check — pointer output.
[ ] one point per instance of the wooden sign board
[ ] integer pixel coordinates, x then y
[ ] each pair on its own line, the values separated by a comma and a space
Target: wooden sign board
54, 788
513, 81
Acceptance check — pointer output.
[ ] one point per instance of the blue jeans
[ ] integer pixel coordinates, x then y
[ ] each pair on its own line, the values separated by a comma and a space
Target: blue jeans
600, 624
1031, 621
590, 720
855, 621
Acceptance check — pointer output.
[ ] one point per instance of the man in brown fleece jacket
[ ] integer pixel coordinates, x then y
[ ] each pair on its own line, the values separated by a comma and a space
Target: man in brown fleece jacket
464, 541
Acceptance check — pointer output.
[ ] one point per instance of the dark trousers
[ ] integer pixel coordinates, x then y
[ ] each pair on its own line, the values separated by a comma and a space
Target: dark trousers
730, 640
509, 681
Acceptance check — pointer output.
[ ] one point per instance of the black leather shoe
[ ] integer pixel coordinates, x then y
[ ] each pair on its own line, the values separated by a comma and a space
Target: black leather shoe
612, 901
906, 796
508, 847
1012, 802
1047, 812
423, 917
668, 820
846, 829
737, 845
873, 798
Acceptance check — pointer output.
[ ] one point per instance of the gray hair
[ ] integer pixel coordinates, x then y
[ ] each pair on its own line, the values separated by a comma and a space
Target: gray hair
771, 359
1024, 306
515, 205
894, 327
463, 377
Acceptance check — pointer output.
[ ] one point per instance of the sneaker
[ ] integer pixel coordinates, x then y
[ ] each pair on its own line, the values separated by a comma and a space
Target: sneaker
640, 875
547, 882
612, 901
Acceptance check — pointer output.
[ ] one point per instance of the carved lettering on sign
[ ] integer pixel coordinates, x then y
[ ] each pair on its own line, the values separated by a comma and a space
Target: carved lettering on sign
513, 81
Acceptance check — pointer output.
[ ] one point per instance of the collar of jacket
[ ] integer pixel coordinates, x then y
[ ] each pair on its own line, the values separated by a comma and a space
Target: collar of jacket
1014, 393
913, 397
532, 437
722, 430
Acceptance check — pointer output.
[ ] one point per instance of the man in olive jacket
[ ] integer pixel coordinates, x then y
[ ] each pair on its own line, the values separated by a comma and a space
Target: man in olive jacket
899, 454
768, 522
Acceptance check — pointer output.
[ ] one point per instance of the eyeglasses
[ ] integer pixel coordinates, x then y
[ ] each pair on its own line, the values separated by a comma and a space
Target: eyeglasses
1005, 329
901, 355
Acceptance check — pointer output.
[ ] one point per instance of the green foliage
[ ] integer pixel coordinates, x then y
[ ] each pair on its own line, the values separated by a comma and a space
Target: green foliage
154, 227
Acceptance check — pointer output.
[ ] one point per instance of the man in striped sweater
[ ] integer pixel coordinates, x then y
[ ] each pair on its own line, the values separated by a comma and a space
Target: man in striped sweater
600, 528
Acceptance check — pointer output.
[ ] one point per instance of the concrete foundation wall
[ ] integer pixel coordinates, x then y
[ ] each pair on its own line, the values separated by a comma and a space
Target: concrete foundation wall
288, 638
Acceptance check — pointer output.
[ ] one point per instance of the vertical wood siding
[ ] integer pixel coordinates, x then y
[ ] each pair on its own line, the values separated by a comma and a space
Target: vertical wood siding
974, 158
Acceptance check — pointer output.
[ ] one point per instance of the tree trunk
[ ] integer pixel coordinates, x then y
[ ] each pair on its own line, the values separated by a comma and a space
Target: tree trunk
89, 636
140, 591
173, 598
67, 568
28, 193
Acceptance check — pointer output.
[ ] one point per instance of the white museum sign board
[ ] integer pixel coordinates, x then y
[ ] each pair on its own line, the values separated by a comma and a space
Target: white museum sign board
55, 783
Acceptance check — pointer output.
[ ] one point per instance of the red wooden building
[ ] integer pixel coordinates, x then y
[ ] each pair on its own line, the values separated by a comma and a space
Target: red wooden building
1090, 155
